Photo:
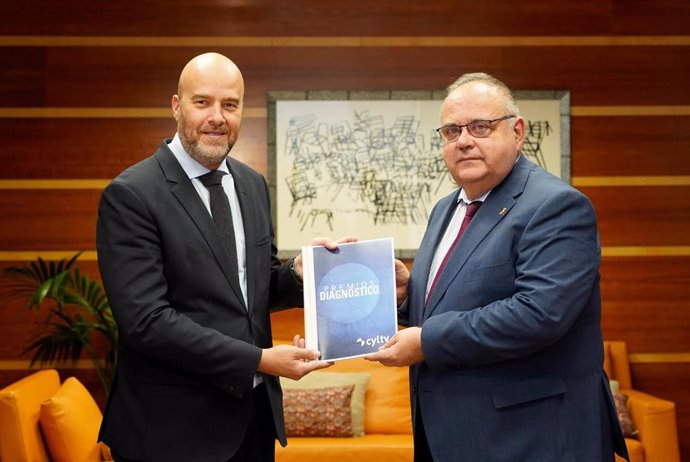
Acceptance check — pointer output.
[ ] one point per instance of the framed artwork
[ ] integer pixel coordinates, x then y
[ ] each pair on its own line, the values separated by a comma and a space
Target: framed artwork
370, 163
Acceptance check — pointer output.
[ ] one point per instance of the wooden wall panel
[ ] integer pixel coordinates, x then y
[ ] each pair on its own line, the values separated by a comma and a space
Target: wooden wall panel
631, 216
666, 211
19, 322
616, 57
262, 17
660, 279
79, 147
49, 219
621, 146
646, 301
22, 76
601, 146
628, 216
85, 148
125, 77
304, 17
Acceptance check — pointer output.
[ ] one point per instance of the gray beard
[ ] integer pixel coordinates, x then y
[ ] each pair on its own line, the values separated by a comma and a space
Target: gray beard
203, 155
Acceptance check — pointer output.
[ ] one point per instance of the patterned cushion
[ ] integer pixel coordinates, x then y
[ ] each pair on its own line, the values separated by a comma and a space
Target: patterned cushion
627, 425
322, 379
318, 411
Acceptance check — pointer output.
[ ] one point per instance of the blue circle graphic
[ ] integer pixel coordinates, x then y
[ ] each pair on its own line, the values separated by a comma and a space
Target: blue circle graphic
348, 293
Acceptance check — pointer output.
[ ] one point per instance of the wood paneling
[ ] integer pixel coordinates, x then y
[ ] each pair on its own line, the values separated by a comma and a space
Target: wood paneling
642, 215
125, 77
646, 301
19, 322
624, 146
304, 17
101, 148
628, 216
612, 55
659, 279
601, 146
49, 219
215, 17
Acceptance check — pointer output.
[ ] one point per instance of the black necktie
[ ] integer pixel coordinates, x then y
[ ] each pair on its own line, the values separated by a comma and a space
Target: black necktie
220, 210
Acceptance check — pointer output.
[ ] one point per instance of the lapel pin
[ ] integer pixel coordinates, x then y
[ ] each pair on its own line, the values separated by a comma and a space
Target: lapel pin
502, 211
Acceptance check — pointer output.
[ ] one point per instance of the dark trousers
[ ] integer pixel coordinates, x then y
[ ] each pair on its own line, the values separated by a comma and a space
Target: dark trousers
422, 453
258, 444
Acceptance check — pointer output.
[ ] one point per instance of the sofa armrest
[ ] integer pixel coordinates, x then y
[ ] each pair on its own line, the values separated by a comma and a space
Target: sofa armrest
655, 419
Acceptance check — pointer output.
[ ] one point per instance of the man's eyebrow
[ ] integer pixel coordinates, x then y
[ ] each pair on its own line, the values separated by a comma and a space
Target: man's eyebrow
205, 96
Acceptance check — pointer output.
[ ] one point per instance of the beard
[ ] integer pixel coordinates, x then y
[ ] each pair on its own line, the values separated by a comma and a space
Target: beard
204, 153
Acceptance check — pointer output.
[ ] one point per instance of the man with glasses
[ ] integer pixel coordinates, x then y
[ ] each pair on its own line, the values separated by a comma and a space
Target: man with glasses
504, 340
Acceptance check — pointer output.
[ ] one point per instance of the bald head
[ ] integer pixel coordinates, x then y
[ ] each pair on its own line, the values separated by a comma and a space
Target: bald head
207, 65
208, 107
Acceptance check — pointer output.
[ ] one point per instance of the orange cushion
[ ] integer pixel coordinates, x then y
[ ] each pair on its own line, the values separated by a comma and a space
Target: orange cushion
607, 361
387, 408
70, 420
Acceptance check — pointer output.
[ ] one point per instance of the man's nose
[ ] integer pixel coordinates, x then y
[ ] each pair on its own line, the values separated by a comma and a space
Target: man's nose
464, 139
216, 114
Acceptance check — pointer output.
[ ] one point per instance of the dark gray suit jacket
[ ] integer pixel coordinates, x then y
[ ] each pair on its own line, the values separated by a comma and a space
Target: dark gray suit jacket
511, 335
188, 345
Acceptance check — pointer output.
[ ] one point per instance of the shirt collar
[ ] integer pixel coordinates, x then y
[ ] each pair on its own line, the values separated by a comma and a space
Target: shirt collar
462, 197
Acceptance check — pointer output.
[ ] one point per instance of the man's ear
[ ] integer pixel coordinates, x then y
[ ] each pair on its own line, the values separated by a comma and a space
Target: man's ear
176, 107
519, 131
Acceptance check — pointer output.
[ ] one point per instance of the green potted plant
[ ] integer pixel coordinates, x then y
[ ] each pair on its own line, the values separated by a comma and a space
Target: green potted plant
77, 312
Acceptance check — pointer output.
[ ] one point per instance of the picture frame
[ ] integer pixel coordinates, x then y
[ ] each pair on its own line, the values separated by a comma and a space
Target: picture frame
369, 163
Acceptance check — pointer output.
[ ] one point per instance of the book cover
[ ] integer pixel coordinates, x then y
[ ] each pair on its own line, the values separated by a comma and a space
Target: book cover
350, 307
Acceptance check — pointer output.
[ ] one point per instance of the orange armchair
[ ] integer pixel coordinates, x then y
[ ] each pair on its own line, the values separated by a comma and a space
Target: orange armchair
42, 420
654, 418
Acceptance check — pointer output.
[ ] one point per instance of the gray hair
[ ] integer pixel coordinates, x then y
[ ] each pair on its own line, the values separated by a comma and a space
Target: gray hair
510, 106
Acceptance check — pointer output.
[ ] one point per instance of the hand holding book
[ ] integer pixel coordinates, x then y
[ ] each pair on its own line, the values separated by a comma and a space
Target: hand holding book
350, 297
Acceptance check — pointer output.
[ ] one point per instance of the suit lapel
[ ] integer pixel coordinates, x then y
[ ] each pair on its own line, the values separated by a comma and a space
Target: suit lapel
425, 253
183, 189
495, 208
241, 189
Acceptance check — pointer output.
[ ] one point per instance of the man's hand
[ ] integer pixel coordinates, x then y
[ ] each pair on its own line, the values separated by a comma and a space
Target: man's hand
293, 362
402, 277
404, 349
326, 242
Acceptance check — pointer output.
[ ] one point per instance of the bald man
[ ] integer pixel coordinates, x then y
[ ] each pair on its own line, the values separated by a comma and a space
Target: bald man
197, 374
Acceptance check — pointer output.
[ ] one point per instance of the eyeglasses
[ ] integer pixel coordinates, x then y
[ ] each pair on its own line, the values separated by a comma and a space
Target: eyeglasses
477, 128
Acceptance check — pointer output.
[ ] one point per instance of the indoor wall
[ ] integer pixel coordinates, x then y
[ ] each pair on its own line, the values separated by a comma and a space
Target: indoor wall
85, 89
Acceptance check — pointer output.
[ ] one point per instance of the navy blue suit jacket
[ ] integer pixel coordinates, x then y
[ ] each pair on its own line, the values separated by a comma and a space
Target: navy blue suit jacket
189, 346
511, 334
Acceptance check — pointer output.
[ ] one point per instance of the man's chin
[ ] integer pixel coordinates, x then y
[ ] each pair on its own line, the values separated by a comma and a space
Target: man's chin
214, 149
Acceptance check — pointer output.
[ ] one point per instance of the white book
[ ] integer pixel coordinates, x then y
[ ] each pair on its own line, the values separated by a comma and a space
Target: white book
350, 307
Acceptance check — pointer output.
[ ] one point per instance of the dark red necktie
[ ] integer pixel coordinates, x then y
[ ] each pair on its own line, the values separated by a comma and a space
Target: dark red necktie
469, 213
